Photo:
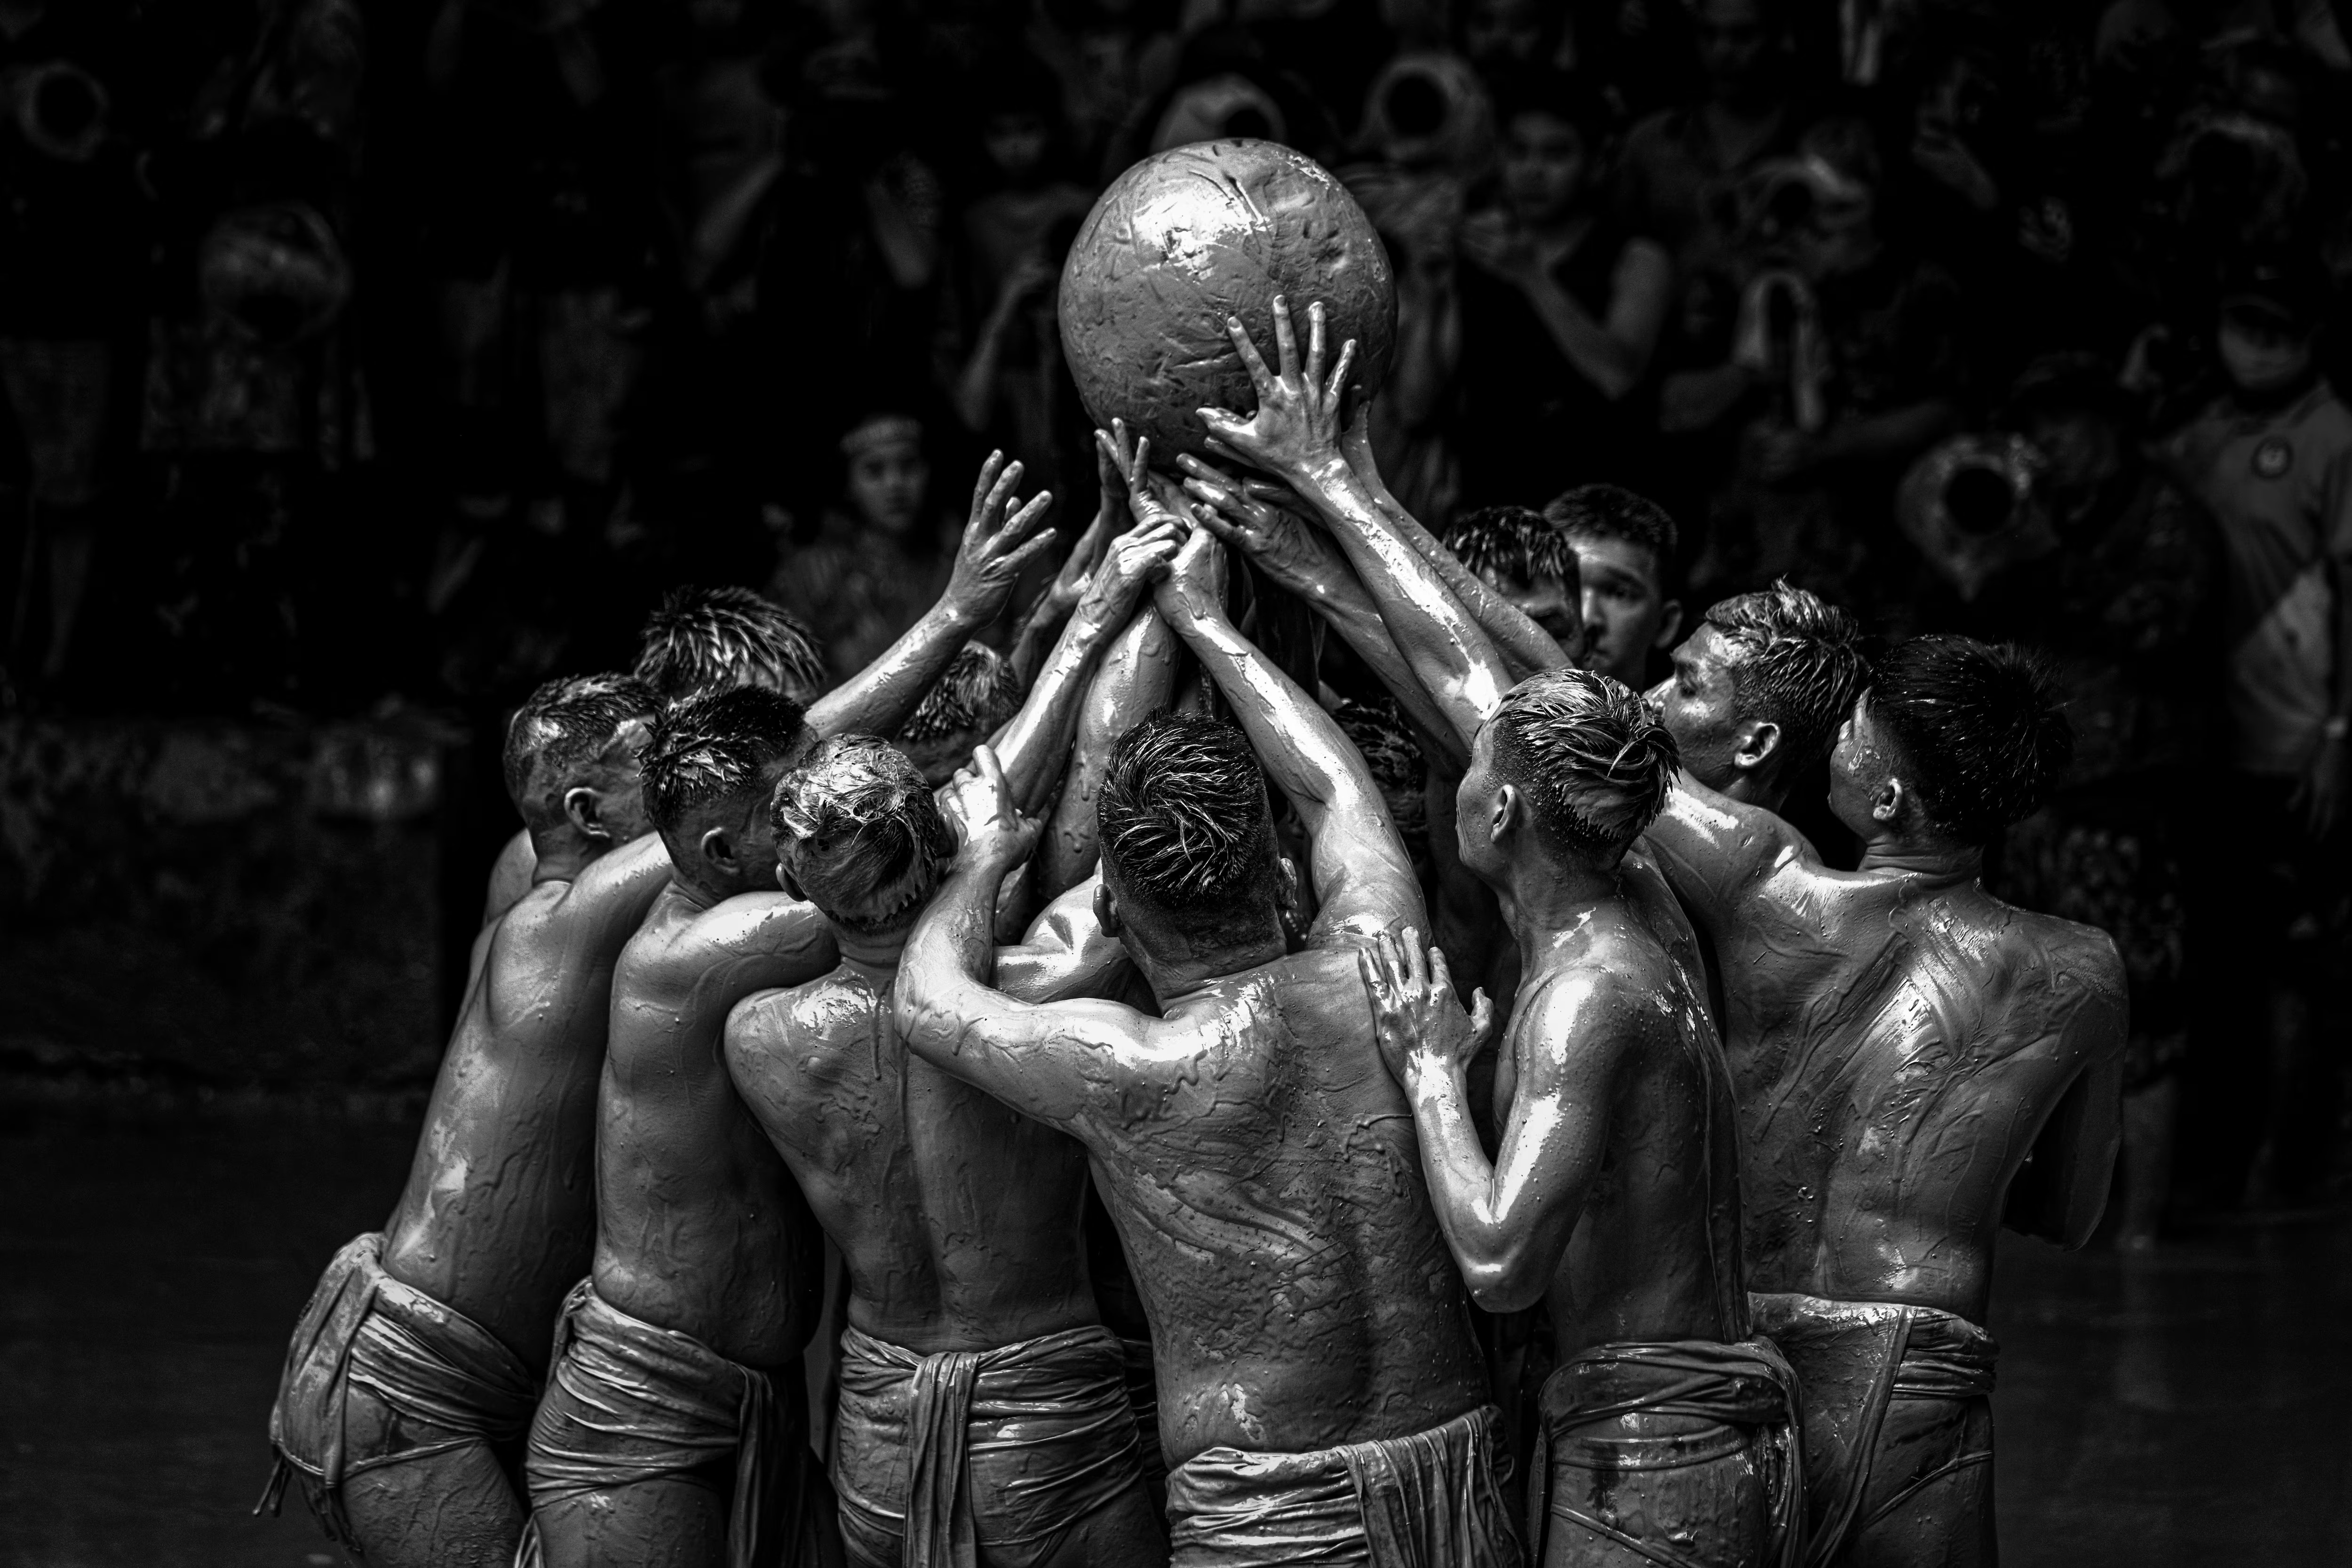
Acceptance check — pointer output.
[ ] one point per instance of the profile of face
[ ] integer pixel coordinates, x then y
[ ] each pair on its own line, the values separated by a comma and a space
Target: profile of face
1699, 703
1547, 602
738, 840
2262, 352
888, 480
1626, 612
1736, 45
1865, 788
1545, 162
1014, 140
1503, 33
1477, 803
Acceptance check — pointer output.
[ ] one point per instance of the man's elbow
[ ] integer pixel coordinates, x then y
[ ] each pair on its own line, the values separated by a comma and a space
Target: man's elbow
1505, 1279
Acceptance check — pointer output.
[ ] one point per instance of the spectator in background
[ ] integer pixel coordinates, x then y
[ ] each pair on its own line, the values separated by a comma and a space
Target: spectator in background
1561, 309
1113, 57
882, 552
1845, 364
2271, 459
1625, 550
2120, 603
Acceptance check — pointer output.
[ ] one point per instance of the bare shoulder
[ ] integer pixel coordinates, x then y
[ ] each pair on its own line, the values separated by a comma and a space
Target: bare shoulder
2078, 962
1617, 986
801, 1033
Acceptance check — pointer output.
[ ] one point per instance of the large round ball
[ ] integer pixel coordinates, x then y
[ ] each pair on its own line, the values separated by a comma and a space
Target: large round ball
1190, 235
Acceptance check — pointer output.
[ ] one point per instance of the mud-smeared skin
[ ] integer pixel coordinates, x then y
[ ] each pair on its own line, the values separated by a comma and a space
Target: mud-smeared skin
958, 1218
700, 1227
498, 1219
1898, 1042
1190, 235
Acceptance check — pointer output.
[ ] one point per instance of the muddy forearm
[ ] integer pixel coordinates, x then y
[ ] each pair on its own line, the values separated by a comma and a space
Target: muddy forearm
1525, 647
1034, 747
1137, 676
1302, 750
1460, 1188
878, 699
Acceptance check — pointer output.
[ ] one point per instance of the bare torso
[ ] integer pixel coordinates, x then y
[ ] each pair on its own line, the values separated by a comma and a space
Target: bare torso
1263, 1169
1898, 1042
701, 1227
498, 1217
959, 1218
1656, 1251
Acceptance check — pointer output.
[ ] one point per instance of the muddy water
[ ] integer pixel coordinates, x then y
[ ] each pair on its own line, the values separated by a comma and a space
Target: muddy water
2183, 1410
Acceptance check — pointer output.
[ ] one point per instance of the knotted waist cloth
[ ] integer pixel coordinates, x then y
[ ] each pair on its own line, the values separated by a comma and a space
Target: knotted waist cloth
936, 1455
628, 1402
1898, 1420
1672, 1493
435, 1367
1429, 1499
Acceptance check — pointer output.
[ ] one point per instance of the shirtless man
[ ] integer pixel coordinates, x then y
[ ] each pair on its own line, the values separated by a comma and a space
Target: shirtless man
704, 1288
1613, 1195
1759, 689
416, 1366
983, 1405
1904, 1044
1321, 1396
705, 640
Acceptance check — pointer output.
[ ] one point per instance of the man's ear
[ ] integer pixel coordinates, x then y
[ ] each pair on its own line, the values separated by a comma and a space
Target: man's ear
585, 808
1886, 802
785, 880
1106, 909
719, 849
1670, 624
1509, 811
1758, 745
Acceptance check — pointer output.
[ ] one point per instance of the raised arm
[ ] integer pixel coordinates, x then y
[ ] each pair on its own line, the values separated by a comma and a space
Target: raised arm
1363, 881
1053, 1062
1525, 646
1137, 676
1716, 852
1507, 1220
1305, 560
1294, 436
990, 559
1034, 745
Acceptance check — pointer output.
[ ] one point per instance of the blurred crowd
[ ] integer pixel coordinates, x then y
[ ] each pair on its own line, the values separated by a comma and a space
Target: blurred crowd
354, 349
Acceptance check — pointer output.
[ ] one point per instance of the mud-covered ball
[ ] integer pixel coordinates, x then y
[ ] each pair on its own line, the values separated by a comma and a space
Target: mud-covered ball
1190, 235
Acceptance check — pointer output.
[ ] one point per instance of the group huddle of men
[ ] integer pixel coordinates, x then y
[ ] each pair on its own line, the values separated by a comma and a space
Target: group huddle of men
1743, 1125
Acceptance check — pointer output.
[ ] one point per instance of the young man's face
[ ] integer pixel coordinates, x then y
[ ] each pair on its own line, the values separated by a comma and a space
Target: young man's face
1860, 764
1503, 32
1626, 611
885, 487
1544, 165
1699, 703
1735, 45
1015, 144
1547, 602
2262, 352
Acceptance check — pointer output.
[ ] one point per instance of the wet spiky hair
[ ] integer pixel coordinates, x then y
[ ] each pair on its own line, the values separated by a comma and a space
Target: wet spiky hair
1984, 725
713, 748
1513, 543
1379, 731
1183, 818
976, 693
1594, 759
704, 640
1613, 511
562, 729
862, 833
1800, 664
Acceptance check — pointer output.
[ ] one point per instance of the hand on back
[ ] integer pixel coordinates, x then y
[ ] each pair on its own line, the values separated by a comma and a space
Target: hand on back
1416, 1018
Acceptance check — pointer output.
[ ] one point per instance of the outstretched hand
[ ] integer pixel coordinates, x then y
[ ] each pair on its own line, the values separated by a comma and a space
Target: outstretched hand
1194, 587
995, 550
1147, 500
1297, 426
1416, 1018
1135, 558
1257, 519
996, 837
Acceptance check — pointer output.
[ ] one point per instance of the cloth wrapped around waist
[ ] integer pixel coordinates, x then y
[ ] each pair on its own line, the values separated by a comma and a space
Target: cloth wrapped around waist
430, 1364
1431, 1499
1853, 1359
628, 1402
1746, 1391
1003, 1447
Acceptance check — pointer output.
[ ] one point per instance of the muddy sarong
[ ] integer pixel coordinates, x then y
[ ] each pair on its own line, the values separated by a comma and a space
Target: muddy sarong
1008, 1449
1433, 1499
1897, 1418
629, 1402
1623, 1487
451, 1382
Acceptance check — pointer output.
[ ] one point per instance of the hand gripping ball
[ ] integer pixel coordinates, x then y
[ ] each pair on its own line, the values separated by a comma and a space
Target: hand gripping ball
1190, 235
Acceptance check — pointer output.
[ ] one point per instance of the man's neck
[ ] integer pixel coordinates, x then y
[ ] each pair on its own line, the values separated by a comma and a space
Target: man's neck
563, 854
1919, 858
1179, 980
1750, 786
874, 957
1542, 895
2273, 399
